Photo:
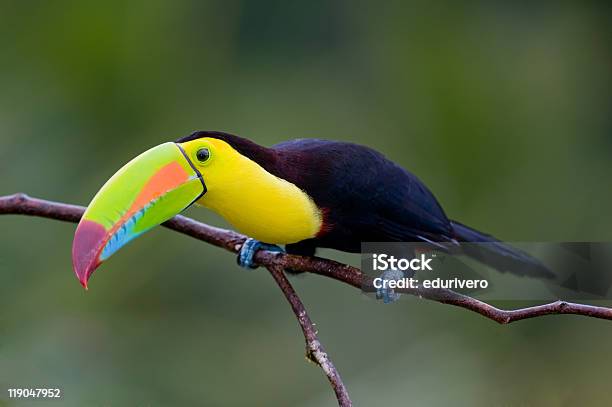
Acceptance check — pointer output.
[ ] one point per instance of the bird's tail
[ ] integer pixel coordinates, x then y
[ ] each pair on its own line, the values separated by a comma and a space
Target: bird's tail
499, 255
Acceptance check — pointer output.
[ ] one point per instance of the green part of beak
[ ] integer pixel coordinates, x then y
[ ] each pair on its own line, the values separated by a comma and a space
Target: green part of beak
147, 191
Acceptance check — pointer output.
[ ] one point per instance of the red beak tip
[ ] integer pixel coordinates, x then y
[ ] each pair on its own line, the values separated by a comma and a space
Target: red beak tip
84, 275
88, 239
84, 284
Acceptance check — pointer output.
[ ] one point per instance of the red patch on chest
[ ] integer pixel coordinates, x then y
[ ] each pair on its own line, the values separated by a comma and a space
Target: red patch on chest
326, 225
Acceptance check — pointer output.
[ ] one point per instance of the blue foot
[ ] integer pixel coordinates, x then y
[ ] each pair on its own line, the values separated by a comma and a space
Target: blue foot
248, 250
388, 295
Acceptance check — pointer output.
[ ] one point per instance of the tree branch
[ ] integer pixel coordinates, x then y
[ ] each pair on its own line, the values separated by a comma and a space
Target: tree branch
275, 262
314, 348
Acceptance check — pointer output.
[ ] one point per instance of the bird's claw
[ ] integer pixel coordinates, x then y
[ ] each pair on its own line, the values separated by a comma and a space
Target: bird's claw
248, 250
388, 295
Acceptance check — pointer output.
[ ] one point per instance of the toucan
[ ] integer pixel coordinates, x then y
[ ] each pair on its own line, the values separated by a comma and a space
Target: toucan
304, 194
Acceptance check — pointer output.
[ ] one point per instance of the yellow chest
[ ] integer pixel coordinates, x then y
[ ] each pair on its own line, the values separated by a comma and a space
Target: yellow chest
261, 205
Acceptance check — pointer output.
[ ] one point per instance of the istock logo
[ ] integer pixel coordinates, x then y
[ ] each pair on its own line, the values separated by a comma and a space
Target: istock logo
383, 262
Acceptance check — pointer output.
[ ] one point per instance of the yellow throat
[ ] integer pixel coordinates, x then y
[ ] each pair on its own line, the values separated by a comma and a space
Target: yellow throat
254, 201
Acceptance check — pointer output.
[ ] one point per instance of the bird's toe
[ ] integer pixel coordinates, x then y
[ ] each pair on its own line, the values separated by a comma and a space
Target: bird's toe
248, 250
388, 295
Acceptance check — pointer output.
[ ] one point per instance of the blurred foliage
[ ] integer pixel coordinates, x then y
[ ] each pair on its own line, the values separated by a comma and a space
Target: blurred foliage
502, 108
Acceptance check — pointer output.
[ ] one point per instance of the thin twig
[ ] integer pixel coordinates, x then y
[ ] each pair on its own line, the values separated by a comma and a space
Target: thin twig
232, 241
314, 349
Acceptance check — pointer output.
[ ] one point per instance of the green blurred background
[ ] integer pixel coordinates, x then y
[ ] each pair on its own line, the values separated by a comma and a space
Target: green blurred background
502, 108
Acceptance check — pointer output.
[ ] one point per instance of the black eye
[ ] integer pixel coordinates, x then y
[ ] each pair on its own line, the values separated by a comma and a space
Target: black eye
203, 154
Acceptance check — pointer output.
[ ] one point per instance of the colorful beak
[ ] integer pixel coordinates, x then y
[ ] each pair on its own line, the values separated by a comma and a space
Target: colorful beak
147, 191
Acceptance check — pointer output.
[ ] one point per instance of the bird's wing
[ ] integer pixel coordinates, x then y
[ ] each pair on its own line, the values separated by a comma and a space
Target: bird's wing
368, 192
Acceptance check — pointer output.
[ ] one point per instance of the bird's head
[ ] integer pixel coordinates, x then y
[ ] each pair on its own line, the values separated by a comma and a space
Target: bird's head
152, 188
